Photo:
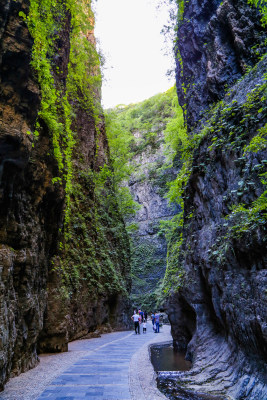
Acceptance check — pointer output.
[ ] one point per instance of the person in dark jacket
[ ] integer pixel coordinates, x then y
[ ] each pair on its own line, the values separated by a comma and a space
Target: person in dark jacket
157, 322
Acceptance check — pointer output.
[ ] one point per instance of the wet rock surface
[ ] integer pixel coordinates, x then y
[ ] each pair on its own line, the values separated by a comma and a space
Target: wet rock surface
167, 384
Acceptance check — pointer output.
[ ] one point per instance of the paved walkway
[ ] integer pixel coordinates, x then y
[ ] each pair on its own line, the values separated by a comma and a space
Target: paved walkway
113, 367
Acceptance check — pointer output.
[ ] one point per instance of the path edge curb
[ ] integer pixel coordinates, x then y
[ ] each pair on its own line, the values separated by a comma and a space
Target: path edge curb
142, 377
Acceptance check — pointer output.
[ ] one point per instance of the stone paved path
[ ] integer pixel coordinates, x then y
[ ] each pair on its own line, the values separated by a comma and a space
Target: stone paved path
108, 369
102, 373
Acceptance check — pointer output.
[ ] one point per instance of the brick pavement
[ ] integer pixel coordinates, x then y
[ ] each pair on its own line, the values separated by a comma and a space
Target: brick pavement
103, 372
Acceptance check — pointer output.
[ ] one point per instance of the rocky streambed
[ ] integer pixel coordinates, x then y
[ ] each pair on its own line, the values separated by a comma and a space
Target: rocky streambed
170, 365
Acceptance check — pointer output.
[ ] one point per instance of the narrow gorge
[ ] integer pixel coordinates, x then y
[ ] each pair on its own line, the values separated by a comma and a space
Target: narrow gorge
159, 204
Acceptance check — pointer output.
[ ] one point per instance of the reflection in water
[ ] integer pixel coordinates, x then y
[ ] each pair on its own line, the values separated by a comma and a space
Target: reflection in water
164, 358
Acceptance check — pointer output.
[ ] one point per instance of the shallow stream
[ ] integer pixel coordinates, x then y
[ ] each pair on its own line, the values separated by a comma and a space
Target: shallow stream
164, 358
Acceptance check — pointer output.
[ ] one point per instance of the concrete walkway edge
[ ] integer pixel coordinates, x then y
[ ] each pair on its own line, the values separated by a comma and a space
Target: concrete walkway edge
142, 377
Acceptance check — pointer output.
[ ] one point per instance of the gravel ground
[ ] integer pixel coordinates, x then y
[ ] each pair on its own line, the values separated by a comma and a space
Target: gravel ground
30, 385
142, 377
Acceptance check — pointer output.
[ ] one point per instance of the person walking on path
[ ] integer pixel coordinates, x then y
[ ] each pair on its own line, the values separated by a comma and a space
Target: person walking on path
135, 317
157, 322
153, 318
144, 326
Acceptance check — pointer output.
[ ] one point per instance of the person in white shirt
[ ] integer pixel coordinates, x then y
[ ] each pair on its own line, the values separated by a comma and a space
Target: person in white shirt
144, 326
135, 317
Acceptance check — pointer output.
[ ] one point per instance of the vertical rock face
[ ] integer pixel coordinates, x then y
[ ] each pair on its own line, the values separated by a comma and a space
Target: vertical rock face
216, 45
220, 313
152, 166
149, 248
30, 208
34, 306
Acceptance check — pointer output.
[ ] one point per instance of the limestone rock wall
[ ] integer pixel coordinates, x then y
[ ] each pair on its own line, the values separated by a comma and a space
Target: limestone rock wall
217, 45
149, 249
219, 315
35, 309
30, 207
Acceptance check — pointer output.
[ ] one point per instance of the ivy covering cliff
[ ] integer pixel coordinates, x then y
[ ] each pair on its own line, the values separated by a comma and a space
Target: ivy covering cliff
69, 91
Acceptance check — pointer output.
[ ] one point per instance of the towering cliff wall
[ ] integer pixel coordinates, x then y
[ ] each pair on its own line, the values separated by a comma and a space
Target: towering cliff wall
64, 250
219, 310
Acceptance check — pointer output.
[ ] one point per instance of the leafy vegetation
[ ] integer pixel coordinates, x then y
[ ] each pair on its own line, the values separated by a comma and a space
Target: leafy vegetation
95, 197
120, 140
245, 218
148, 115
141, 126
91, 255
136, 129
46, 20
228, 126
147, 268
248, 217
69, 77
173, 278
261, 5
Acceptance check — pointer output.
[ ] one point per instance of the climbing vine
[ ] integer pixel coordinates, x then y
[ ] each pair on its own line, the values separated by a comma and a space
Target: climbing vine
46, 21
228, 125
262, 6
67, 68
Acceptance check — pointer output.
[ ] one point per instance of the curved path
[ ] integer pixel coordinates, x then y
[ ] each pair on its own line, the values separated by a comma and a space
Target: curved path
115, 366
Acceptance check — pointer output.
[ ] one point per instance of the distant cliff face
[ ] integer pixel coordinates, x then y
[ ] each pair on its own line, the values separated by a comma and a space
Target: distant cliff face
59, 279
149, 249
219, 314
150, 167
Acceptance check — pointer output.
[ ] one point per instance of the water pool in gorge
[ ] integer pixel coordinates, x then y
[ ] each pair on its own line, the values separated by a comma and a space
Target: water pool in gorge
164, 358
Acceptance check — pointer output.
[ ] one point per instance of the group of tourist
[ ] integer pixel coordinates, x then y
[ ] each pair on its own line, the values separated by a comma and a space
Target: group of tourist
140, 320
